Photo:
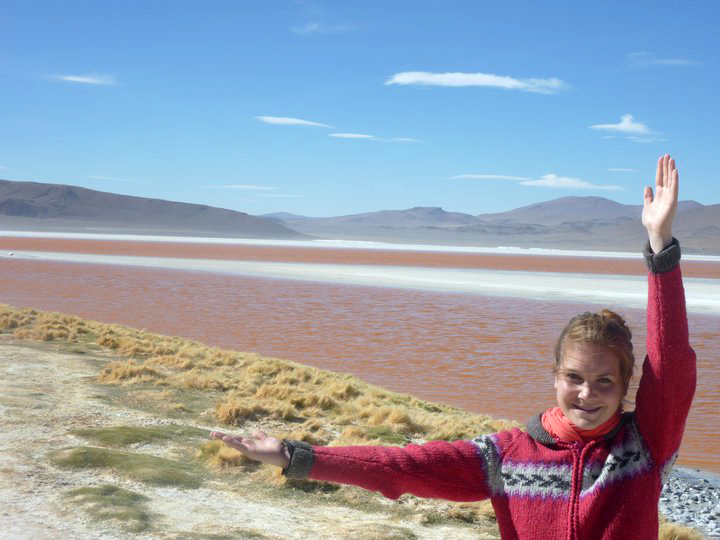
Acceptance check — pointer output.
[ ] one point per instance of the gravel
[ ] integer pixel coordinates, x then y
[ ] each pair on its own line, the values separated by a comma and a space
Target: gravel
692, 497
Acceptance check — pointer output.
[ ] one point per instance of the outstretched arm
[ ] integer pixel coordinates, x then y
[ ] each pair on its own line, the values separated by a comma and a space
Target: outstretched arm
668, 375
454, 471
659, 210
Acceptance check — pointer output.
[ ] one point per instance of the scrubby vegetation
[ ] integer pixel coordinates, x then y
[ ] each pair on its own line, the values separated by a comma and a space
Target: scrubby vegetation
111, 503
135, 466
174, 377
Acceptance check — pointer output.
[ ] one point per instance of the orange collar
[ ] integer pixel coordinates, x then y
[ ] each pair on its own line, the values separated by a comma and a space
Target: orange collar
557, 425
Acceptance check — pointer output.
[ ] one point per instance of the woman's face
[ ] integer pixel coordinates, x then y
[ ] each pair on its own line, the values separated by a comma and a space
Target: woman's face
588, 384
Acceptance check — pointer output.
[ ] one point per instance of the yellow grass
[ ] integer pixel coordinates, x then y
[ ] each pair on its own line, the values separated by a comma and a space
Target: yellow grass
672, 531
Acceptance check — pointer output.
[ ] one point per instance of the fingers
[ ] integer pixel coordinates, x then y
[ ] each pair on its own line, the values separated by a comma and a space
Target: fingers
648, 196
659, 172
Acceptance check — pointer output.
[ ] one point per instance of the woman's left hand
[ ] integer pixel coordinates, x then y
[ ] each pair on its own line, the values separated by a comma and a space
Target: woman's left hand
659, 211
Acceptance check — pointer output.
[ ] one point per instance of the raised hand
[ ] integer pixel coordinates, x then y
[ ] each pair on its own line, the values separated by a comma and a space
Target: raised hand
659, 211
259, 447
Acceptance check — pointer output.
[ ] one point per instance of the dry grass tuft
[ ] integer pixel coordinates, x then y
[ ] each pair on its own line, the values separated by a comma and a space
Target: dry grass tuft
473, 512
672, 531
129, 372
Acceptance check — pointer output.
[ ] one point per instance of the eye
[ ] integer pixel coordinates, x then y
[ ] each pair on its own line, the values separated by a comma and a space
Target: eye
605, 380
573, 377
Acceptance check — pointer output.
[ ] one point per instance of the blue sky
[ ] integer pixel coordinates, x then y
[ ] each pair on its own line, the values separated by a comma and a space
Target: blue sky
331, 108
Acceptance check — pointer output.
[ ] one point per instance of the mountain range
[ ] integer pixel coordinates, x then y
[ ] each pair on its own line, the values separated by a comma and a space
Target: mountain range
593, 223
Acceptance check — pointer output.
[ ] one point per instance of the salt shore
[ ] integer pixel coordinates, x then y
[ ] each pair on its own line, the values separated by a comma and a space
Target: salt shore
703, 295
692, 497
348, 244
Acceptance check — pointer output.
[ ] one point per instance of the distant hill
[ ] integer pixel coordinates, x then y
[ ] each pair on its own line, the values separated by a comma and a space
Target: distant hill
414, 217
564, 223
39, 206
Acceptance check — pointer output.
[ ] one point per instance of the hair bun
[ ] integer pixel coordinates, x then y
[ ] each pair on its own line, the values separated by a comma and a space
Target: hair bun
617, 319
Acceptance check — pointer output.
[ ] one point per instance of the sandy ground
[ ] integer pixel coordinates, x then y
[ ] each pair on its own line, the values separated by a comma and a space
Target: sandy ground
44, 394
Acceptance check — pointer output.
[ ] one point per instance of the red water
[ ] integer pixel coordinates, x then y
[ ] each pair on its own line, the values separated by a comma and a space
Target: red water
485, 354
528, 263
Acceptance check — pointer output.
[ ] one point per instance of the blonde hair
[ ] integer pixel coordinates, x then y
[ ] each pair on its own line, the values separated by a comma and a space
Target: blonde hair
606, 328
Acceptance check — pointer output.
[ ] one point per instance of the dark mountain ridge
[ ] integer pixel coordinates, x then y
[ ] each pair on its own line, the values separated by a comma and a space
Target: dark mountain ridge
55, 206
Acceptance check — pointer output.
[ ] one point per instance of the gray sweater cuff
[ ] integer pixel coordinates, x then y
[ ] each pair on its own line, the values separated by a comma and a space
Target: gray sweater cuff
664, 261
302, 457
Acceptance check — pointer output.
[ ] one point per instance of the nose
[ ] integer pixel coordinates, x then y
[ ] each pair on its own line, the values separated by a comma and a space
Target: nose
585, 390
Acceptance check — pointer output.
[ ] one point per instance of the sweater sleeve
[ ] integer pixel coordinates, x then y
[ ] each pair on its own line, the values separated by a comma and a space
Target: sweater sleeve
445, 470
668, 377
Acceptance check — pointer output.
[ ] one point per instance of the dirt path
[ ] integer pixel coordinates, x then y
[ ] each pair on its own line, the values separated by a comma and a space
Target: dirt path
44, 394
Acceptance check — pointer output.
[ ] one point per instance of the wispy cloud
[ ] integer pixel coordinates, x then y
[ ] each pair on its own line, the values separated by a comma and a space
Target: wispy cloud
352, 136
629, 129
246, 187
91, 78
1, 167
287, 121
626, 125
367, 137
489, 177
555, 181
402, 139
280, 195
317, 27
108, 178
646, 59
459, 79
619, 169
548, 181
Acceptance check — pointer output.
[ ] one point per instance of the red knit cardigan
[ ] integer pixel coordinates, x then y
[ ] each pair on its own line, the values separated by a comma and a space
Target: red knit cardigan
539, 487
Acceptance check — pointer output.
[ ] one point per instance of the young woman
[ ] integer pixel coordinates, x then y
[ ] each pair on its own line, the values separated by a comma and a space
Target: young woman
584, 469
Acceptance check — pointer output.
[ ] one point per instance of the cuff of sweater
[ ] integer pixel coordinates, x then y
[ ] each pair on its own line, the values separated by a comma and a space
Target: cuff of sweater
664, 261
302, 457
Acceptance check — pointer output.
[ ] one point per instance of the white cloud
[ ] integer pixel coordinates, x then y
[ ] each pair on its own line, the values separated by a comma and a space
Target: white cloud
287, 121
626, 125
618, 169
1, 167
90, 78
459, 79
646, 59
367, 137
403, 139
548, 180
489, 177
110, 178
555, 181
248, 187
280, 195
352, 136
316, 27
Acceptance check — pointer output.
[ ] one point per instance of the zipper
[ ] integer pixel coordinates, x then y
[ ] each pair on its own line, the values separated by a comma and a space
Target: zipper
579, 451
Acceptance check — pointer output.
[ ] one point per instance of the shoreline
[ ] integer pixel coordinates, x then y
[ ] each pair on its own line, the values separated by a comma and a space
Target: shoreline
351, 244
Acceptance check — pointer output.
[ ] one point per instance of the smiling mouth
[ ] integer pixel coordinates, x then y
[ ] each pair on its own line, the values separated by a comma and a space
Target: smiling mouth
586, 409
